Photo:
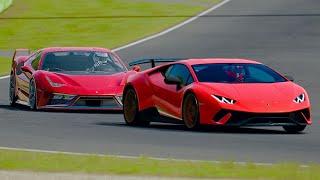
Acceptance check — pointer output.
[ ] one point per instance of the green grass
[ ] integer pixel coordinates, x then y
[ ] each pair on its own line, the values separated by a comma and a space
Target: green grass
4, 4
105, 32
5, 63
47, 162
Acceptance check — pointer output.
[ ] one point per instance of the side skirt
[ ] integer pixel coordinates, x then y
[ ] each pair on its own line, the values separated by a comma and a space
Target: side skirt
165, 119
161, 118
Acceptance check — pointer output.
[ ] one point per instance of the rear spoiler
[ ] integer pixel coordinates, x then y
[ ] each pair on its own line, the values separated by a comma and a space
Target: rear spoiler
21, 52
153, 61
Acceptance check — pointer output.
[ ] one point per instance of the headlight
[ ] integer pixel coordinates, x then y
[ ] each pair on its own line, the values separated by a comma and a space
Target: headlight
63, 97
300, 99
54, 84
222, 99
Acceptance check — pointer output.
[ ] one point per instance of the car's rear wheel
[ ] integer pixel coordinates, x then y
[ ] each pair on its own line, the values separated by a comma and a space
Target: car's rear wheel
131, 112
190, 111
32, 95
12, 91
294, 129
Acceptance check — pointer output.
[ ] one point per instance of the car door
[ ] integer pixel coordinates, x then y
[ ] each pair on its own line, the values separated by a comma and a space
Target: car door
169, 96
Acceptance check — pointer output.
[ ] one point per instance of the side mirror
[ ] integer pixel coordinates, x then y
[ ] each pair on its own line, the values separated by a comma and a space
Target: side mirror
172, 80
136, 68
26, 69
290, 78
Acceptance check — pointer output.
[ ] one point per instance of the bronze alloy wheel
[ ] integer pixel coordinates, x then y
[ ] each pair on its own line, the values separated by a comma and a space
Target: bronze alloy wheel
130, 106
191, 111
32, 95
131, 112
12, 91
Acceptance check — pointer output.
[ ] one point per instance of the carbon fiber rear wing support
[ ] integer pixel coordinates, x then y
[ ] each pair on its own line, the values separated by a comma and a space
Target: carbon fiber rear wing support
153, 61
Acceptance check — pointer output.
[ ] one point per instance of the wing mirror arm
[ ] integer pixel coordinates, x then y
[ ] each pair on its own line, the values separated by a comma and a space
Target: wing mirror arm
27, 71
173, 80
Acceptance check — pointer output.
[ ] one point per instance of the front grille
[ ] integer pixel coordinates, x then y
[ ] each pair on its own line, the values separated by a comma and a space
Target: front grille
306, 113
101, 102
220, 115
260, 119
59, 102
93, 103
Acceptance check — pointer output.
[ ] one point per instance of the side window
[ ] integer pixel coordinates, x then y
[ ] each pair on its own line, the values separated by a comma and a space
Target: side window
181, 72
167, 71
36, 61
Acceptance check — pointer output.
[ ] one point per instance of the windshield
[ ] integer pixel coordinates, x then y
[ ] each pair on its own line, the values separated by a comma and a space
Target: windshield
236, 73
82, 62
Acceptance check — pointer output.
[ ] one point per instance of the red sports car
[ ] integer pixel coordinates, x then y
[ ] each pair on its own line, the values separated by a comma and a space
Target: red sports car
70, 78
221, 92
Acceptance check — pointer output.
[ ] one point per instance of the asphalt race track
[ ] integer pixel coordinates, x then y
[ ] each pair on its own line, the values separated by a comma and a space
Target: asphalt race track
284, 34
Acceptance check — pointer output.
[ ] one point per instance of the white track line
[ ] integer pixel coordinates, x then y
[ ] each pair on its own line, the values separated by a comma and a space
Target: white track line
4, 77
174, 27
165, 31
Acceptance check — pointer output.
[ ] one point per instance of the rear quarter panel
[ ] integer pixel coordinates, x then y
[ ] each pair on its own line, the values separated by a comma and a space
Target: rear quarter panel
21, 81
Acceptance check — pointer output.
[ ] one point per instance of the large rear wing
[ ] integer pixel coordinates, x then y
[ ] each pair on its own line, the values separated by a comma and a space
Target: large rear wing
21, 52
153, 61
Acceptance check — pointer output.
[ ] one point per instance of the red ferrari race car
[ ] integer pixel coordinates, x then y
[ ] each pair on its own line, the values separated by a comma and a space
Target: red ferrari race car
69, 78
221, 92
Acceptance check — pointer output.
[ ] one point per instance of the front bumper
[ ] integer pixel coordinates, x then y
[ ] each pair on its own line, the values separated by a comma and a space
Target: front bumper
238, 118
85, 103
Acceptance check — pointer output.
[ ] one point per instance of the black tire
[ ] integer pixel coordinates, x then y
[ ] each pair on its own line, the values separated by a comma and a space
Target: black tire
294, 129
190, 112
12, 91
32, 95
131, 113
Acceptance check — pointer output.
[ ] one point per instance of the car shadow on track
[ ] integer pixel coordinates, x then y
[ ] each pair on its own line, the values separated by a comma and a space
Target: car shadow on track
16, 108
27, 109
158, 126
204, 129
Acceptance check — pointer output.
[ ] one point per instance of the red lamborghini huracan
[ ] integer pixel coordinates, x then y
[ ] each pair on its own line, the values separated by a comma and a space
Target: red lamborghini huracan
223, 92
68, 78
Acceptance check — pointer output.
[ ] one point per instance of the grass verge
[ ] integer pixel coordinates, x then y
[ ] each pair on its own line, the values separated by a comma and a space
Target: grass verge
4, 4
5, 63
125, 21
48, 162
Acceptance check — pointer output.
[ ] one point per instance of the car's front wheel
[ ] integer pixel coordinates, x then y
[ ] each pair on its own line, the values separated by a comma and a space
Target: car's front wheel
131, 112
32, 95
12, 91
294, 129
190, 111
